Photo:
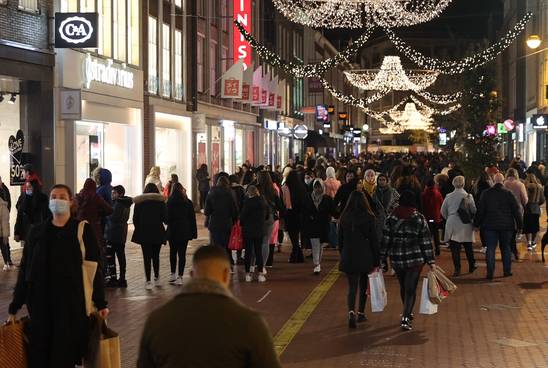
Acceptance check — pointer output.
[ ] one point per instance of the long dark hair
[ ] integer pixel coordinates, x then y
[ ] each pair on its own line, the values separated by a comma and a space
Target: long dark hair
265, 185
356, 208
176, 192
151, 188
296, 189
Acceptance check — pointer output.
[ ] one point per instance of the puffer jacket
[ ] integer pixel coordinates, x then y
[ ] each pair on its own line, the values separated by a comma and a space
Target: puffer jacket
498, 210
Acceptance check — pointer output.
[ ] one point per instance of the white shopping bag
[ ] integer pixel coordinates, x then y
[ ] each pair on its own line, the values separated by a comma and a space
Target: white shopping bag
377, 292
427, 307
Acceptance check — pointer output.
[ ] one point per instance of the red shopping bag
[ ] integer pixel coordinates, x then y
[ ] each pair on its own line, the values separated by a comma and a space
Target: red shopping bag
236, 239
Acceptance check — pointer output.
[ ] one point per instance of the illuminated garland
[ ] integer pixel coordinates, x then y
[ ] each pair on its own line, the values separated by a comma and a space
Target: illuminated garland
432, 111
304, 70
351, 100
466, 64
440, 99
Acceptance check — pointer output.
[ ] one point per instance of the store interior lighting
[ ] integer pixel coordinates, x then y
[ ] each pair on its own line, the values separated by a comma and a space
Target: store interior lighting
12, 99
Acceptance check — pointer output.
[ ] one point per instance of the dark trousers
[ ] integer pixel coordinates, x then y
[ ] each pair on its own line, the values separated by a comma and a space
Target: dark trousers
221, 239
203, 196
296, 251
434, 230
116, 251
253, 247
455, 252
514, 245
6, 252
409, 279
482, 238
151, 254
355, 280
177, 249
504, 239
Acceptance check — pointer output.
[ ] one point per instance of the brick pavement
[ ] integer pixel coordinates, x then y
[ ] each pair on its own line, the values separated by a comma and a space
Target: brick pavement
498, 324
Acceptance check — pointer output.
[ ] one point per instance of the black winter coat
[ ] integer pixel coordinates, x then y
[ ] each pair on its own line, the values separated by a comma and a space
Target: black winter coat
358, 245
498, 210
116, 226
316, 221
60, 328
181, 220
31, 210
149, 217
253, 217
342, 195
220, 209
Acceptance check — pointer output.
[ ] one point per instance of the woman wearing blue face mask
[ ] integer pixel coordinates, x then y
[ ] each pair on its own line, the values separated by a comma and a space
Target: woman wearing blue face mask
32, 209
50, 283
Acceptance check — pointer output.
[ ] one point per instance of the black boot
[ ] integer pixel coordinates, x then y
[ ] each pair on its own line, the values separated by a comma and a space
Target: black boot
352, 320
270, 260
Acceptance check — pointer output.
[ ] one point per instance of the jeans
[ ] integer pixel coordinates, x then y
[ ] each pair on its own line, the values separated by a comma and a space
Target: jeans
409, 279
253, 246
455, 252
266, 241
355, 280
221, 239
177, 249
316, 251
6, 253
203, 196
504, 239
116, 251
333, 237
151, 254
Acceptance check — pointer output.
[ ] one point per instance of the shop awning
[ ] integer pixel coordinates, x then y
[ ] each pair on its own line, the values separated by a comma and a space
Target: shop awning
317, 140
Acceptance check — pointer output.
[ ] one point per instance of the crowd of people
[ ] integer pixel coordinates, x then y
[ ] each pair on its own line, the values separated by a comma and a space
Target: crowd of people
378, 210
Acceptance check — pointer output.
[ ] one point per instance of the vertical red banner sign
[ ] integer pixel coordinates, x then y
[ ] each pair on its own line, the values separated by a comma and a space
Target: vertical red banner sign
215, 158
242, 49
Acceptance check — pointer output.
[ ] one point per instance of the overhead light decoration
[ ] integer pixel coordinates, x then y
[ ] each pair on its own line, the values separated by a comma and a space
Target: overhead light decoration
458, 66
391, 75
360, 13
304, 70
411, 118
440, 99
433, 111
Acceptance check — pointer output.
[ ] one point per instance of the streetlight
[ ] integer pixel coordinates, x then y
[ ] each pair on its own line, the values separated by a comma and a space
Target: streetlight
534, 41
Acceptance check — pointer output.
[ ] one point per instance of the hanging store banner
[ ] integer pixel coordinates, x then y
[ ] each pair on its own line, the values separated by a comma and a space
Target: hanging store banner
272, 93
242, 13
280, 96
232, 81
247, 84
257, 86
315, 85
76, 30
265, 85
18, 158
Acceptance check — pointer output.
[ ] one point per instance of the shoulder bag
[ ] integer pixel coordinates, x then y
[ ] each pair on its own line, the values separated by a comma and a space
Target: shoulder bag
463, 211
89, 269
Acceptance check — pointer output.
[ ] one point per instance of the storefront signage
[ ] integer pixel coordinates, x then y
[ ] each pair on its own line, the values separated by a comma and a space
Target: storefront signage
331, 109
242, 13
321, 113
521, 133
107, 72
270, 124
300, 132
501, 129
315, 85
509, 124
540, 121
18, 159
443, 139
490, 130
76, 30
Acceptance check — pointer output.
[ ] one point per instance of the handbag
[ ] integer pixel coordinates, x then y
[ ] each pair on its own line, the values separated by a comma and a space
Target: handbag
13, 344
104, 345
236, 239
463, 211
426, 307
377, 291
89, 269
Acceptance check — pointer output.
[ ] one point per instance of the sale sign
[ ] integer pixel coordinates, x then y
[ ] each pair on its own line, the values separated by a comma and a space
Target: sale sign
242, 49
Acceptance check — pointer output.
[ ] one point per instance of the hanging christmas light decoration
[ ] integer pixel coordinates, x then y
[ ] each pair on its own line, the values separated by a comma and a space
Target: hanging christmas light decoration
351, 100
411, 118
359, 13
432, 111
304, 70
459, 66
440, 99
392, 76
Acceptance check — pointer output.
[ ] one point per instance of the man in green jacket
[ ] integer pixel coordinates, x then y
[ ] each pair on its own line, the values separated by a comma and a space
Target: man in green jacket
205, 326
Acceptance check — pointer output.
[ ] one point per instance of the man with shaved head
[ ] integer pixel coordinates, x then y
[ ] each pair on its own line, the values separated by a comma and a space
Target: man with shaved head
205, 326
498, 217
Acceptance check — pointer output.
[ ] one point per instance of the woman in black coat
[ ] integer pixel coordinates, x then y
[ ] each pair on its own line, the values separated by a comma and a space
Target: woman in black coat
359, 248
294, 196
181, 227
50, 283
149, 217
253, 221
32, 209
316, 216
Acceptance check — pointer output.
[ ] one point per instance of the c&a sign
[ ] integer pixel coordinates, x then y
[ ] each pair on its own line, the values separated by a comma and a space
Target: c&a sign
242, 49
76, 30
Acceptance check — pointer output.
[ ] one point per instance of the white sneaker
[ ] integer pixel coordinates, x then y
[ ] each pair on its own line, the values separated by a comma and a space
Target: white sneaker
248, 277
252, 269
172, 278
534, 245
261, 278
6, 267
264, 270
149, 285
317, 270
179, 280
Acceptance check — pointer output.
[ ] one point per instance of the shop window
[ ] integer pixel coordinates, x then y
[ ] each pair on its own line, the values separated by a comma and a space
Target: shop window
29, 5
166, 78
178, 93
152, 55
105, 24
225, 20
67, 6
133, 32
213, 68
224, 57
178, 3
87, 6
119, 28
200, 62
201, 9
298, 94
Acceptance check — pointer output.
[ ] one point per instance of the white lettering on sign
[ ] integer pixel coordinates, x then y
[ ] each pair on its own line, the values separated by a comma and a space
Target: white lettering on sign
76, 30
105, 71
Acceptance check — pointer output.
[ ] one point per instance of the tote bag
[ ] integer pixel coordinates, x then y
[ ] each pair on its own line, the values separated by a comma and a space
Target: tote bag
377, 292
426, 307
89, 269
104, 345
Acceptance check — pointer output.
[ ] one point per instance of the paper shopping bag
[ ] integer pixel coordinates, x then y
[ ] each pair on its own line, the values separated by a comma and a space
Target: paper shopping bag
377, 292
13, 344
103, 345
427, 307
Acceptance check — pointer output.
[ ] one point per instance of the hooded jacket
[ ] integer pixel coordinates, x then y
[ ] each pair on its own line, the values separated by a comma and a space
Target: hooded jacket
221, 209
149, 217
116, 227
316, 215
105, 188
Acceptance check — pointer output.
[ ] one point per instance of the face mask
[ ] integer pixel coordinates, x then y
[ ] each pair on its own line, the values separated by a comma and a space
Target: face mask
59, 206
28, 192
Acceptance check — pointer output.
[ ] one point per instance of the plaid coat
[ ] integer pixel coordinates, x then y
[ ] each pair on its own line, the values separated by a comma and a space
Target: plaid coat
407, 241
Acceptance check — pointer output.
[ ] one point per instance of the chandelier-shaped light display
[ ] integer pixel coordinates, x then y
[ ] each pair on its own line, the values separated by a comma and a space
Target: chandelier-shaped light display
411, 118
359, 13
392, 76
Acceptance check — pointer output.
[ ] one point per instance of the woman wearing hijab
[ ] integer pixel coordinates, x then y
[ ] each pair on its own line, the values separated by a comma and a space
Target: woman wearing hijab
317, 212
368, 183
359, 249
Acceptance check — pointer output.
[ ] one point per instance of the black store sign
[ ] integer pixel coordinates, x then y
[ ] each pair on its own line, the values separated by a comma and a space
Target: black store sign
76, 30
18, 158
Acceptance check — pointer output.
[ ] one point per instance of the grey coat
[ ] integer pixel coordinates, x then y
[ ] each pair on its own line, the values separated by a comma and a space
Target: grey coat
455, 230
